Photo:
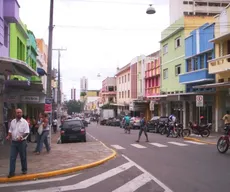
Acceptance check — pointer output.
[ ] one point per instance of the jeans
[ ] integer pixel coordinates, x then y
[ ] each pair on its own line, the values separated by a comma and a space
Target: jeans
143, 128
43, 138
18, 147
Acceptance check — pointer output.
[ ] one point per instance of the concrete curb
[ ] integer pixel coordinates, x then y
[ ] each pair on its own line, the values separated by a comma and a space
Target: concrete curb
43, 175
199, 141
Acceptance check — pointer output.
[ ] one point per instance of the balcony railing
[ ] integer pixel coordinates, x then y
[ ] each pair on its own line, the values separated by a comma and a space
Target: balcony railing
220, 64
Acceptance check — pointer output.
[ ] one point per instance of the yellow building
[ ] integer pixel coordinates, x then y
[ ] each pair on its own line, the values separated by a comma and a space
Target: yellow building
220, 66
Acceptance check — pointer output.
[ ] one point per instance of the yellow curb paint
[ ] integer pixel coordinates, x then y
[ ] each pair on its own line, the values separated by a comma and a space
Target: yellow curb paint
199, 141
59, 172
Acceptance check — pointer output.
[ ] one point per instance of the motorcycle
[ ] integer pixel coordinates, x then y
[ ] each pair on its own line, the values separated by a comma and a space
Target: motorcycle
223, 142
203, 130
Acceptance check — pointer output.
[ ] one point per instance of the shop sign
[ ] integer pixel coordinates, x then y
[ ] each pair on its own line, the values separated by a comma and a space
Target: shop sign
151, 105
199, 100
48, 105
34, 99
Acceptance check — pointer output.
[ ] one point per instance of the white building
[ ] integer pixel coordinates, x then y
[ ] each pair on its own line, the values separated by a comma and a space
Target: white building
73, 94
178, 8
83, 84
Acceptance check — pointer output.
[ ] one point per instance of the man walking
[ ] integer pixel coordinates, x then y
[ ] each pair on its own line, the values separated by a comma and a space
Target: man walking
142, 128
18, 133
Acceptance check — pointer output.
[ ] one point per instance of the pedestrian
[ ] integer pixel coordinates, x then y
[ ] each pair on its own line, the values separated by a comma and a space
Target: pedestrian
143, 128
54, 124
18, 133
43, 134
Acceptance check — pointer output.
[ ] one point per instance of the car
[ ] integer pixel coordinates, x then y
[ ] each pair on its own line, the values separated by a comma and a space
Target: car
72, 130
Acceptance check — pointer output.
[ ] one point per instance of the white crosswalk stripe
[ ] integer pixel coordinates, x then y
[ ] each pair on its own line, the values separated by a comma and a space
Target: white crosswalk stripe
138, 146
141, 180
193, 142
158, 145
178, 144
117, 147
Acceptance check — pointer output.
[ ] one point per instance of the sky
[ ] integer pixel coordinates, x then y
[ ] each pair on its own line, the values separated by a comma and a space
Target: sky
99, 35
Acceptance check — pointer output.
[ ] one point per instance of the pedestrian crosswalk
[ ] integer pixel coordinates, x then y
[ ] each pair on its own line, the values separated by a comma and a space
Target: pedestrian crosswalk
160, 145
126, 176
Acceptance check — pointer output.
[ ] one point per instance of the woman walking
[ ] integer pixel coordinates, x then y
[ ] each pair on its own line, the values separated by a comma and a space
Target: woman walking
43, 132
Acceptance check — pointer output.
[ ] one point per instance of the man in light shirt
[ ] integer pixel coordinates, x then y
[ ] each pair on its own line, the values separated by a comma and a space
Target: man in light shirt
226, 118
18, 133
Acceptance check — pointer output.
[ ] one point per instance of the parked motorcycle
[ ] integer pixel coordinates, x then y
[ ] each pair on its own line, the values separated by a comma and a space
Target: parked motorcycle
223, 141
203, 130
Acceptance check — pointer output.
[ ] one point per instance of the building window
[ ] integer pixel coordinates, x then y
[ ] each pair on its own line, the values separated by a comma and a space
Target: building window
196, 63
122, 94
122, 79
6, 36
178, 69
177, 42
189, 65
119, 94
119, 80
125, 94
165, 73
125, 78
165, 49
128, 77
128, 93
202, 62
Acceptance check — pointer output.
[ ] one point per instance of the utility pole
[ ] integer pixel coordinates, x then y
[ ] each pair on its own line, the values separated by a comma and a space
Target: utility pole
59, 81
49, 67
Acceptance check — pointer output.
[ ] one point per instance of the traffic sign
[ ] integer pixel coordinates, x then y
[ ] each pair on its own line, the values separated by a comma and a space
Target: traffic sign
199, 100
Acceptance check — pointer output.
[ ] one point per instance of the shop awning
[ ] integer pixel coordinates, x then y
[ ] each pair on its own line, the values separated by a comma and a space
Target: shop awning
157, 96
41, 71
213, 85
15, 67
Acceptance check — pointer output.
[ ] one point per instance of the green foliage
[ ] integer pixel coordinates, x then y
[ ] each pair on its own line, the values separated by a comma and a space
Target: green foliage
83, 94
74, 106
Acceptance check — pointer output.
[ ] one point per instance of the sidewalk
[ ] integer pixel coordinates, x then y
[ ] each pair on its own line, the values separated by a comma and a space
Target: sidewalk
63, 158
212, 139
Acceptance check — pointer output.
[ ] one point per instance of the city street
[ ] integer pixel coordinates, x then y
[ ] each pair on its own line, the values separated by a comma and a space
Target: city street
163, 164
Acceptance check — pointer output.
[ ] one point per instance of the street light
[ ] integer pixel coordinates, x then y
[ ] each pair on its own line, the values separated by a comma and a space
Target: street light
151, 10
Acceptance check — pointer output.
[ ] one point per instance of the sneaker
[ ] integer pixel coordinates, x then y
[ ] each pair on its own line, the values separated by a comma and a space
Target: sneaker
24, 172
137, 141
11, 175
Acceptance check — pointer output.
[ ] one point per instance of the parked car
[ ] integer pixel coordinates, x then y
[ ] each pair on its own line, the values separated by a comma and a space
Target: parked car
135, 122
72, 130
153, 124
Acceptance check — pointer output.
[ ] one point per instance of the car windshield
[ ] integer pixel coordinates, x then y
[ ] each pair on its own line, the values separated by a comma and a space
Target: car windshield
72, 124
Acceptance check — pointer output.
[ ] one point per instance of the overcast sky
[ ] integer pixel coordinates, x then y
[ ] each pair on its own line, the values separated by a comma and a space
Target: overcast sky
100, 35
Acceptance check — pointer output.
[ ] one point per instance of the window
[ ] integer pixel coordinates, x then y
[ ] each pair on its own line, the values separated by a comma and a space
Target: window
122, 79
202, 62
178, 69
189, 65
209, 57
125, 78
165, 49
165, 73
119, 94
195, 63
177, 42
6, 36
128, 77
122, 94
128, 93
119, 80
125, 94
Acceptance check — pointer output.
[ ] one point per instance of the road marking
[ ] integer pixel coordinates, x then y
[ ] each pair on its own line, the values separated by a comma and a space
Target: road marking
150, 175
117, 147
134, 184
178, 144
89, 182
158, 145
38, 181
193, 142
138, 146
92, 136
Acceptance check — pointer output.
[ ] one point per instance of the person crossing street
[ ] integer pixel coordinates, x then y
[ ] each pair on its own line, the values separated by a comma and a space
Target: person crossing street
142, 128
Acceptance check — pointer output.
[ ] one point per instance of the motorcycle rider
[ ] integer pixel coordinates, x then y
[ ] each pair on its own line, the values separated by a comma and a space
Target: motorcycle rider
172, 121
226, 119
127, 123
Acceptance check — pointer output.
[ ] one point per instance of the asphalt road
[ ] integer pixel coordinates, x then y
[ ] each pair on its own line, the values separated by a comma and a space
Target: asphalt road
163, 164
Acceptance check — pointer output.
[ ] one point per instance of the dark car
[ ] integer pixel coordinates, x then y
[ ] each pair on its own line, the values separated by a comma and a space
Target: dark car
157, 123
73, 130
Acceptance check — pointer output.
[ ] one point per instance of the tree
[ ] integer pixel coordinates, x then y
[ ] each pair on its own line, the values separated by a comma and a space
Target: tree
73, 106
83, 94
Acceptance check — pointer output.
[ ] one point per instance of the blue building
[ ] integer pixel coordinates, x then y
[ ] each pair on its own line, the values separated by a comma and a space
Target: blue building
198, 51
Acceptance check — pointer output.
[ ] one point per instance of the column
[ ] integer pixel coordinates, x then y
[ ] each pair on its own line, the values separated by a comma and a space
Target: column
191, 111
161, 109
184, 114
168, 108
217, 113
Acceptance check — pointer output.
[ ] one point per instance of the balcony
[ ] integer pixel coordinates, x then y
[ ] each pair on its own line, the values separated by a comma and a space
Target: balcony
152, 91
201, 75
219, 65
11, 11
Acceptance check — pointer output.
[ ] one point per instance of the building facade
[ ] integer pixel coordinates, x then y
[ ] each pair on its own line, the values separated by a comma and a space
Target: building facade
173, 64
83, 84
73, 94
108, 92
152, 81
178, 8
198, 51
32, 50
